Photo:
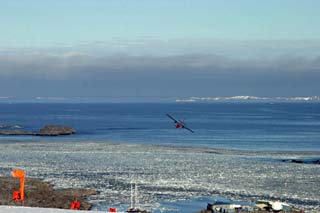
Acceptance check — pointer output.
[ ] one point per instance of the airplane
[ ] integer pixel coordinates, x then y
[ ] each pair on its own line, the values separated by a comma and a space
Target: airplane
179, 124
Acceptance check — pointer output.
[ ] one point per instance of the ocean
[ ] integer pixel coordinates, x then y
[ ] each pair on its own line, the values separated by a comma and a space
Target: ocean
238, 151
253, 126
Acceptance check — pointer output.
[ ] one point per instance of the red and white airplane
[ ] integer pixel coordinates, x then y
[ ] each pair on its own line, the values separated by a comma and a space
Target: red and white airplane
179, 124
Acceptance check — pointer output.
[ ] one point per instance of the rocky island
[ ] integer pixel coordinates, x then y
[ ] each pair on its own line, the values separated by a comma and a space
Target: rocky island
54, 130
47, 130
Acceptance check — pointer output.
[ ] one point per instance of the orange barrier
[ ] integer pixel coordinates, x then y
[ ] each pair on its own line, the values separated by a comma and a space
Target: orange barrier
16, 195
112, 209
19, 195
75, 204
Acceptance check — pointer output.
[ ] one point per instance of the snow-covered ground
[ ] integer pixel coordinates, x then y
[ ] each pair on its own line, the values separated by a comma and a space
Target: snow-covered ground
165, 173
14, 209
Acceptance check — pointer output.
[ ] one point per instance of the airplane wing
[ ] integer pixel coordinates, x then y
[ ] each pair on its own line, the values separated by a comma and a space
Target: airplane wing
172, 118
188, 129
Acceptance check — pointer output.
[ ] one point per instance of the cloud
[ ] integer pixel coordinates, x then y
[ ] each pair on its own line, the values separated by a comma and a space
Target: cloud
143, 67
74, 63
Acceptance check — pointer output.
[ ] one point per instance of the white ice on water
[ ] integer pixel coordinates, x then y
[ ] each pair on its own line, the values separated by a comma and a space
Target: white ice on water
166, 173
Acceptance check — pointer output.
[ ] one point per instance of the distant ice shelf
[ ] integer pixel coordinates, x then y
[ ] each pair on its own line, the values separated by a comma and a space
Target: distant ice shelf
247, 98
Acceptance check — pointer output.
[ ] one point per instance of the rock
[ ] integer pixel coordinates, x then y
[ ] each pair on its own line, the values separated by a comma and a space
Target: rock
296, 161
316, 162
54, 130
305, 161
48, 130
42, 194
15, 132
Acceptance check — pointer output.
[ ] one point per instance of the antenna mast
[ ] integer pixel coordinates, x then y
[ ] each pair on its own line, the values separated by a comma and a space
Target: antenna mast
131, 197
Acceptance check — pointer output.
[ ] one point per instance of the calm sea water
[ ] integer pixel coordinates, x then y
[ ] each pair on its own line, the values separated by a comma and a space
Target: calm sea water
253, 126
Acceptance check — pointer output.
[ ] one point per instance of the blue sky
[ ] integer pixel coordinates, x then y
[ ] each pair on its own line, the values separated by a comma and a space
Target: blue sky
159, 48
42, 22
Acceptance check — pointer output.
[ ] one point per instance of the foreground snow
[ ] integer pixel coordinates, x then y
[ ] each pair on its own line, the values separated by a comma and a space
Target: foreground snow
16, 209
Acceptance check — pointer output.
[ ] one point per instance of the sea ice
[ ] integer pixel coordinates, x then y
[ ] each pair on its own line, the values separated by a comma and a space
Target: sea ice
166, 173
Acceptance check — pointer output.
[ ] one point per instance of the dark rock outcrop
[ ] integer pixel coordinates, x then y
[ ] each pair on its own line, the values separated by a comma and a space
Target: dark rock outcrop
42, 194
304, 161
54, 130
48, 130
15, 132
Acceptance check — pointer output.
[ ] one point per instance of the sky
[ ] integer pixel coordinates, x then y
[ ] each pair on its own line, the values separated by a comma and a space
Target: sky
147, 49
